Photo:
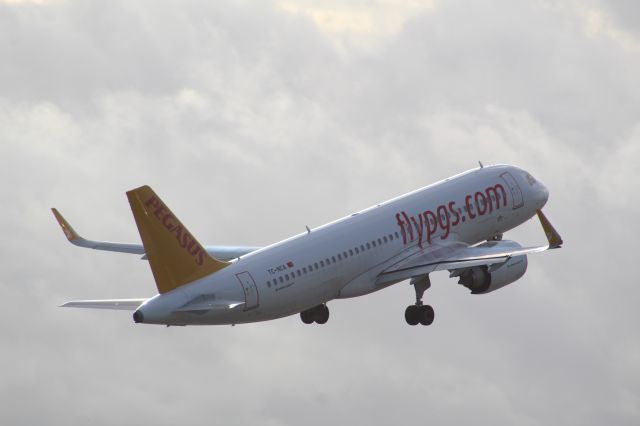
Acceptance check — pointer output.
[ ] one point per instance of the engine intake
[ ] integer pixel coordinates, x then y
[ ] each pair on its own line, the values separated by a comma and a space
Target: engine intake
485, 279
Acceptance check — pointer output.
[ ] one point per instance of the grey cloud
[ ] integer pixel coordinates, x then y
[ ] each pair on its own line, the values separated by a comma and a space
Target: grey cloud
251, 124
625, 14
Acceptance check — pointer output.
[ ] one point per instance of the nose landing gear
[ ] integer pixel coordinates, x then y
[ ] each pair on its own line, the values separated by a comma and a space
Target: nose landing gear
419, 313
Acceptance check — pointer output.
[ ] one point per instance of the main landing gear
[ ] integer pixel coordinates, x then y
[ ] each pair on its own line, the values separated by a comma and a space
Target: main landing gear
419, 313
318, 314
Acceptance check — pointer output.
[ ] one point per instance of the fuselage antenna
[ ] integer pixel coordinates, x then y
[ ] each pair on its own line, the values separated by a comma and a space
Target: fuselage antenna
481, 165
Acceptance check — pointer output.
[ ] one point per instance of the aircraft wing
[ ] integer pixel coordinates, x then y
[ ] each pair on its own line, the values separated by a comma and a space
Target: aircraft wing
118, 304
219, 252
460, 256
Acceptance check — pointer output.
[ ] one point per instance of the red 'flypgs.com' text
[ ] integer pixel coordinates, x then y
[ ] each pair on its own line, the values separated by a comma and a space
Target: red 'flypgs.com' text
447, 216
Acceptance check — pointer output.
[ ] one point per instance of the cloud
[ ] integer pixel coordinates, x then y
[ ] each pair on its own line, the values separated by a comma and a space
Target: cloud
361, 18
254, 120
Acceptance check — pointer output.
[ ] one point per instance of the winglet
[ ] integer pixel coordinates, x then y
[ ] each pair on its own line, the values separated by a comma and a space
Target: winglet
175, 256
555, 240
69, 232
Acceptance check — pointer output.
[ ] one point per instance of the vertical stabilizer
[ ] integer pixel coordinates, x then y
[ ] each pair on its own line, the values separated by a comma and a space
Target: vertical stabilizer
175, 256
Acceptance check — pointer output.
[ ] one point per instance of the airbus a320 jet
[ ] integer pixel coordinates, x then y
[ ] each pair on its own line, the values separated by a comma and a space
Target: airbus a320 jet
455, 225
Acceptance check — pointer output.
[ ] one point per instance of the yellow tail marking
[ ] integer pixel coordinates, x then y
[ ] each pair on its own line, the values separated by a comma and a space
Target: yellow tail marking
66, 228
175, 256
555, 240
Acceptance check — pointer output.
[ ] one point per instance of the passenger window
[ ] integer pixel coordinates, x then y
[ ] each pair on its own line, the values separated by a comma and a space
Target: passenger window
316, 265
344, 254
390, 237
339, 256
357, 250
385, 239
298, 272
397, 235
379, 242
327, 262
322, 263
281, 280
361, 247
304, 270
333, 258
368, 246
286, 277
269, 283
373, 243
350, 252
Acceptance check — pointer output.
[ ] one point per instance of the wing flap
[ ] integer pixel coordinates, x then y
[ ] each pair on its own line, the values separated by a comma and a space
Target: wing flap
116, 304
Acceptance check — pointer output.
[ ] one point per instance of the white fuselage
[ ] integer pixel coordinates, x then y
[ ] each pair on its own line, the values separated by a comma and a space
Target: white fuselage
343, 258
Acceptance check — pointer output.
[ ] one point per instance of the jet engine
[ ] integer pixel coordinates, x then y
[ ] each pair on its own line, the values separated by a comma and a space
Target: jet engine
485, 279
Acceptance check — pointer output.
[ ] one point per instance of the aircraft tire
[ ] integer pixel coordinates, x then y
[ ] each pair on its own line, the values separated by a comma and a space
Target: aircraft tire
426, 315
306, 316
412, 315
322, 314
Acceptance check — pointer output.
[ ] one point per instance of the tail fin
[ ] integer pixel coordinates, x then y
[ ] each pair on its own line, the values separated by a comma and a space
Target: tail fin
175, 256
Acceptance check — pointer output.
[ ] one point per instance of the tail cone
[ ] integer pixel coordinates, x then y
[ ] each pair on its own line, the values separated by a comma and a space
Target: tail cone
138, 317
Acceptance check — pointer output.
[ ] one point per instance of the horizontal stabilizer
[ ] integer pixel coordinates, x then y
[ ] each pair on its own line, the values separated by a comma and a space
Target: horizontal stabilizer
117, 304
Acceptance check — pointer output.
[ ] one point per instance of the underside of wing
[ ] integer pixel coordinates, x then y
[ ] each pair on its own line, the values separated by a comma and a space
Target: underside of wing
435, 259
117, 304
456, 255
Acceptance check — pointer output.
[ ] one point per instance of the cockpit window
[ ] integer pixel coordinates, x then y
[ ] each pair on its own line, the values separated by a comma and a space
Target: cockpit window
530, 178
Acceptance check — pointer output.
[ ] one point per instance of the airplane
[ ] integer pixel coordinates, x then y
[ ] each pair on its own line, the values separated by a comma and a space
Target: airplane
456, 225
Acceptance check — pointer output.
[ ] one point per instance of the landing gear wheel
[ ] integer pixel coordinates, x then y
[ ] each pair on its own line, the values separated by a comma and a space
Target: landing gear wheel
318, 314
306, 316
322, 314
426, 315
412, 314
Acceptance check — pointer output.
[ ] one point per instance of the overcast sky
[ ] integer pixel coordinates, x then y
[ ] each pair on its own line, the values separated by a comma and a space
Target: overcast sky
253, 119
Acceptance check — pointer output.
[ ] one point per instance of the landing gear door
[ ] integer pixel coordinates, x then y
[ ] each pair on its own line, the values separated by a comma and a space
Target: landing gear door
516, 192
251, 296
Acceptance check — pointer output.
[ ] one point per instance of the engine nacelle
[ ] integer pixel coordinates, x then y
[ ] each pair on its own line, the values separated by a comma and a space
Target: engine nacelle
485, 279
